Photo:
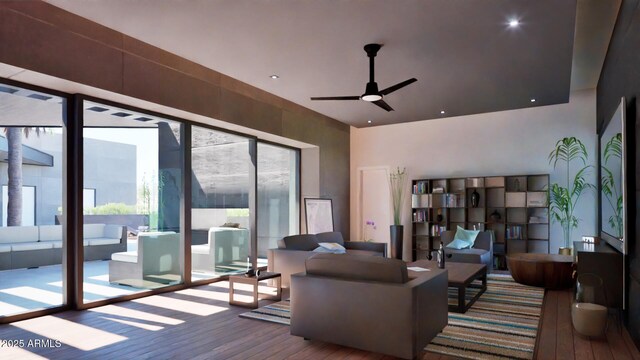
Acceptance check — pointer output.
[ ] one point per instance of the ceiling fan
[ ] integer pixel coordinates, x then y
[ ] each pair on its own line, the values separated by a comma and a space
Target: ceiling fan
371, 92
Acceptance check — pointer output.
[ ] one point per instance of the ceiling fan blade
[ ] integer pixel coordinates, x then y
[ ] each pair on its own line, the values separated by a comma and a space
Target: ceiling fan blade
383, 105
337, 98
395, 87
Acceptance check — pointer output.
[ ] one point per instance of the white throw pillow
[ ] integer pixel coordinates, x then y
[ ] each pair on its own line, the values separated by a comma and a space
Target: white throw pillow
333, 248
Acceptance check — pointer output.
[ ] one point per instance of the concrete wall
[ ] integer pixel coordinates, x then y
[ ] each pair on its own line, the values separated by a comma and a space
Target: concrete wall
501, 143
39, 37
110, 168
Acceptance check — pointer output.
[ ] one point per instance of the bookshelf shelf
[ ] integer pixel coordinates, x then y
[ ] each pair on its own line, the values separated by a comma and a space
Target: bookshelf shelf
515, 207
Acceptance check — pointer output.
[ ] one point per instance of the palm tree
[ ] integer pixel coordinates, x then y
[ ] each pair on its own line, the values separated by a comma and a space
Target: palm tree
14, 172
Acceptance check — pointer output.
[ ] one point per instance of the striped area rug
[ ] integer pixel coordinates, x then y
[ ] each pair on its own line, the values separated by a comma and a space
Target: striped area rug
502, 324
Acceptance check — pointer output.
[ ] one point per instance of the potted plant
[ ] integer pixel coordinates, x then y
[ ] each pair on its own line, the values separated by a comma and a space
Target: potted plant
397, 182
563, 199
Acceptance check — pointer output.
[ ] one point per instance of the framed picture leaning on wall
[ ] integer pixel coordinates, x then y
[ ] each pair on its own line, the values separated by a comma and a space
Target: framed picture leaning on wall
319, 215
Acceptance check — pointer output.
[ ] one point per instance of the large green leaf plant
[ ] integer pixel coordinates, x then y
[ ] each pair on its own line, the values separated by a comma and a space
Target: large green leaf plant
564, 199
613, 148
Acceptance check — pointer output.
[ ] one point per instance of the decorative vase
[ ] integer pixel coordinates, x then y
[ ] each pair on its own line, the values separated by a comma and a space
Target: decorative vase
396, 241
439, 216
517, 183
495, 216
475, 198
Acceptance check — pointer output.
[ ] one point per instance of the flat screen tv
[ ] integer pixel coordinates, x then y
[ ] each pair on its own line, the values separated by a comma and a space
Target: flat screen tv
613, 221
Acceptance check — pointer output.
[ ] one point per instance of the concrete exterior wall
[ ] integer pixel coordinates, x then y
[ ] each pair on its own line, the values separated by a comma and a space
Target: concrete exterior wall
43, 38
110, 168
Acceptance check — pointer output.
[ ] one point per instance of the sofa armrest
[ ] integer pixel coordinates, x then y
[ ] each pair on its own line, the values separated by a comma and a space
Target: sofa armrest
287, 262
369, 246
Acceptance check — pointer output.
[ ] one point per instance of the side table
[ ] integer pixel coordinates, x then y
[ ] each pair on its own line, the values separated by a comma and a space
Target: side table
254, 281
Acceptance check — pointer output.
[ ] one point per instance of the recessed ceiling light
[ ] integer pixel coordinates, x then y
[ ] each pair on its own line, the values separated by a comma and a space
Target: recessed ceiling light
514, 23
368, 121
442, 112
274, 76
533, 100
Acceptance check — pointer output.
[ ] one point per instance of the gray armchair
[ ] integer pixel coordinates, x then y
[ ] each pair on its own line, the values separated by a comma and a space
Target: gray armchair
293, 250
480, 253
368, 303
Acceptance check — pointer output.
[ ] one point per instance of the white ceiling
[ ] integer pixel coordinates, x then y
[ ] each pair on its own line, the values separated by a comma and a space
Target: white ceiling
462, 52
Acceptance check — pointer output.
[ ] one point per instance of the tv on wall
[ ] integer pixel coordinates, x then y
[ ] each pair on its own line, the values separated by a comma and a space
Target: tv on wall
613, 147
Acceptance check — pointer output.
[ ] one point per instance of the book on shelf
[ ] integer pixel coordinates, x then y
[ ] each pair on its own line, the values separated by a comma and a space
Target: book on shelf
437, 230
538, 220
438, 190
420, 187
420, 215
514, 232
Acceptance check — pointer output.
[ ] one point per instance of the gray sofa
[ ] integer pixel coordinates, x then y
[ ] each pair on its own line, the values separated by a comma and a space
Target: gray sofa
33, 246
368, 303
480, 253
293, 250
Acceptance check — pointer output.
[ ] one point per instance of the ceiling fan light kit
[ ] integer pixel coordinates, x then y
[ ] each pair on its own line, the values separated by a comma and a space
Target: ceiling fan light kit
371, 92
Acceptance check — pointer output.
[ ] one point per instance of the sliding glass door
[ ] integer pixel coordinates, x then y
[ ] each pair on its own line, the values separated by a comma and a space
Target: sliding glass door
31, 235
278, 196
133, 172
222, 184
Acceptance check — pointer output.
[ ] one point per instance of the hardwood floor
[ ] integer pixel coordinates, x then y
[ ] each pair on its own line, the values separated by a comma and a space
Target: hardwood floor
199, 324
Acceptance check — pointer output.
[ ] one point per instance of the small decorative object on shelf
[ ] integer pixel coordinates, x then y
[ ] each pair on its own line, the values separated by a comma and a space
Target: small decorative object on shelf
517, 184
475, 198
495, 216
439, 216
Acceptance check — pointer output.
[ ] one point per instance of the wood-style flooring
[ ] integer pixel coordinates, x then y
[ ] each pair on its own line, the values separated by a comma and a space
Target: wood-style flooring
198, 323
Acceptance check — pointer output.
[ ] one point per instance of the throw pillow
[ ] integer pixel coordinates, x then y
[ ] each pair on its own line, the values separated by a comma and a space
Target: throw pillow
468, 236
458, 244
333, 248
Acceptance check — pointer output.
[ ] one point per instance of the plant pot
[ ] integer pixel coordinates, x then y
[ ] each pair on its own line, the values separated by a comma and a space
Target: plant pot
565, 251
396, 241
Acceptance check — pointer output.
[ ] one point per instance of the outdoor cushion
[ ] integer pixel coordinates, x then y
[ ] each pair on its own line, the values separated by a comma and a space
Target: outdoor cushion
304, 242
50, 232
112, 231
56, 244
103, 241
31, 246
129, 256
5, 248
92, 231
18, 234
200, 249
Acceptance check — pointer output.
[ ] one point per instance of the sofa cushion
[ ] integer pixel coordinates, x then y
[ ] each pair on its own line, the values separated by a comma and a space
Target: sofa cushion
5, 248
330, 237
129, 256
304, 242
18, 234
458, 244
357, 267
28, 246
50, 232
364, 252
93, 231
103, 241
468, 236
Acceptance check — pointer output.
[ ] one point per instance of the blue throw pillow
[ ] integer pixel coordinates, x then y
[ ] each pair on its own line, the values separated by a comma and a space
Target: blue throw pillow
468, 236
458, 244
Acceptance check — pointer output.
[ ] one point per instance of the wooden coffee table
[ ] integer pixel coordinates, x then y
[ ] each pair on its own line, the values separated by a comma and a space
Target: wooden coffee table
461, 277
254, 280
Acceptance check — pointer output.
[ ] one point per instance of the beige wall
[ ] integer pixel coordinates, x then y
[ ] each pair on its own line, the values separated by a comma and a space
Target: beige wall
67, 52
500, 143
